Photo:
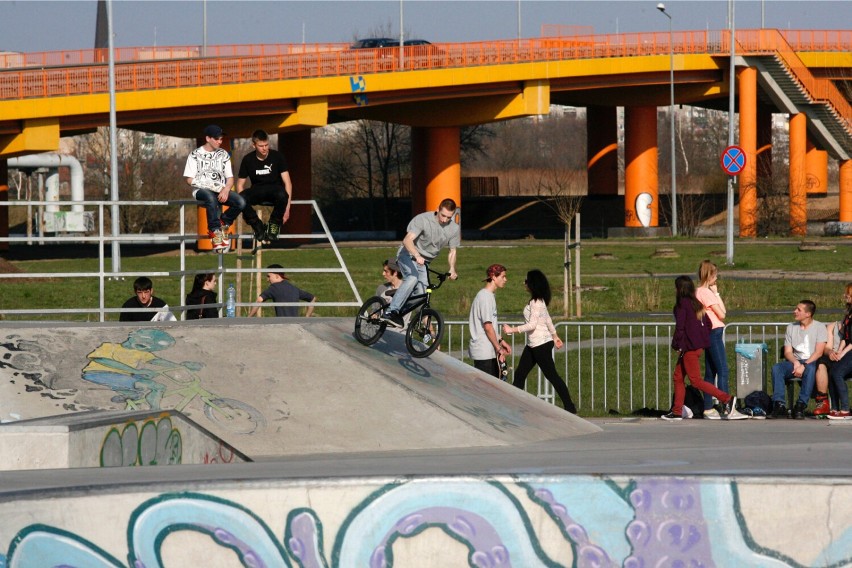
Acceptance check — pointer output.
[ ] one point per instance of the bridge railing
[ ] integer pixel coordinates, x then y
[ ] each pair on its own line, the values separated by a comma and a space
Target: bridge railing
619, 366
144, 70
23, 300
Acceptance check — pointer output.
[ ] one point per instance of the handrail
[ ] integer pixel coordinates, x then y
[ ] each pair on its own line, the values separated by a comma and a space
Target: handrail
102, 239
233, 66
68, 57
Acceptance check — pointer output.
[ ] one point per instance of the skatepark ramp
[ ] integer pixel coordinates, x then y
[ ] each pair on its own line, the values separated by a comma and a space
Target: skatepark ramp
111, 439
278, 387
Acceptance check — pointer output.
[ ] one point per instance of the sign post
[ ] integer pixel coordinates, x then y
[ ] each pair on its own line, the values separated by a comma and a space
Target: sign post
733, 161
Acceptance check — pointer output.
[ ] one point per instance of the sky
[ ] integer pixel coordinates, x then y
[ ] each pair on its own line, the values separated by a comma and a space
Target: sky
36, 25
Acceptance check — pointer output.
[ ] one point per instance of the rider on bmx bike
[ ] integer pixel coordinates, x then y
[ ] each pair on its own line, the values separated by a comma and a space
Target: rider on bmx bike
426, 235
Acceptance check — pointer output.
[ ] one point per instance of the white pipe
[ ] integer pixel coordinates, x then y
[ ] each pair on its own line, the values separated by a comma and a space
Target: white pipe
53, 160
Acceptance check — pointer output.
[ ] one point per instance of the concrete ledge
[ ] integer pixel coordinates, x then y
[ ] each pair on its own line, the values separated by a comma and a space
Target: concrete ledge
837, 229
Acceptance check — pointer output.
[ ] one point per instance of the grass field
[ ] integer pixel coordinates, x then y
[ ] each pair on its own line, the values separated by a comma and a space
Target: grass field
629, 281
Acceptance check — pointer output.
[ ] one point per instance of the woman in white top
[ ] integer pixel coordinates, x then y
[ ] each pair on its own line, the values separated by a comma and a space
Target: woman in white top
715, 360
541, 338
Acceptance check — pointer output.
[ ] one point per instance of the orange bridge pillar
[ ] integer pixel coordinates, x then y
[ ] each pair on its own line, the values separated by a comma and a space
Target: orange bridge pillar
798, 177
816, 170
747, 86
846, 191
641, 193
435, 167
296, 147
602, 150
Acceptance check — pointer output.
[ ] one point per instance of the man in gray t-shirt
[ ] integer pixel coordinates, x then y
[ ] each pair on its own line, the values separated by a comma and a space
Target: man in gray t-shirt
487, 348
804, 343
426, 235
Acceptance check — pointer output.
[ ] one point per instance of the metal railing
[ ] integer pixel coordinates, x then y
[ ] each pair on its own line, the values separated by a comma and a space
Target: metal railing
138, 70
619, 366
102, 275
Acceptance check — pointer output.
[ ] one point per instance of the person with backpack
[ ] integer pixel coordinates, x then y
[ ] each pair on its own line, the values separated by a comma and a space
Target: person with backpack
691, 338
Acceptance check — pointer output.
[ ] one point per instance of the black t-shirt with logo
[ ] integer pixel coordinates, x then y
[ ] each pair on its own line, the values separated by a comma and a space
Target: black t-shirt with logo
263, 172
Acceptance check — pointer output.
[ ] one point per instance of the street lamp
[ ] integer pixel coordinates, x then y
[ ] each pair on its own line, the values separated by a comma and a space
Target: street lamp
662, 8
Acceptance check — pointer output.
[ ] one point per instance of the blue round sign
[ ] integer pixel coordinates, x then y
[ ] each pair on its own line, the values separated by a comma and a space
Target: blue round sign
733, 160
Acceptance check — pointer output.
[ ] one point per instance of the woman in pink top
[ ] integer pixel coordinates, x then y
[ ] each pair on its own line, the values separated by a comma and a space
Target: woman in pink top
541, 338
715, 359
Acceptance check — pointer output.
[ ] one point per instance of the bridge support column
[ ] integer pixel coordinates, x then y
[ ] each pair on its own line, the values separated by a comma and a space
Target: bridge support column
798, 176
846, 191
747, 86
4, 197
435, 167
602, 150
816, 170
296, 147
641, 193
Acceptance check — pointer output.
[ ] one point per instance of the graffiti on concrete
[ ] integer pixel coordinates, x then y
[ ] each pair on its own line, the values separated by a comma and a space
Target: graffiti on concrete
130, 372
156, 442
579, 521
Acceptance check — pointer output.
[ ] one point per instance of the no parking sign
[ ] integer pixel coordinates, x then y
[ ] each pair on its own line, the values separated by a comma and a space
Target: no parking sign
733, 160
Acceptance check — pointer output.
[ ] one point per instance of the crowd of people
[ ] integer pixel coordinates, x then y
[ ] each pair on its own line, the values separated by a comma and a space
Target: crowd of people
818, 355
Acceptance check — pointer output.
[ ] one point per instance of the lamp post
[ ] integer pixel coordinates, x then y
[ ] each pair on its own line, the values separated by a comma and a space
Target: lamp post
662, 8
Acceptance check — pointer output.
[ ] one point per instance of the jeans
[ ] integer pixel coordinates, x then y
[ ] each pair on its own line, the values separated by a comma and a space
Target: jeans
783, 371
688, 366
715, 365
210, 201
412, 275
839, 372
261, 195
543, 357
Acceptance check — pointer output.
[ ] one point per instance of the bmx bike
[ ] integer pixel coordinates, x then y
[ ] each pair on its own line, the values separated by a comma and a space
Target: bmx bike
425, 329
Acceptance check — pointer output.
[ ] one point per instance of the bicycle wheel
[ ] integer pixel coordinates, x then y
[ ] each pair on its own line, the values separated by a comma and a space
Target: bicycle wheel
368, 327
424, 333
234, 415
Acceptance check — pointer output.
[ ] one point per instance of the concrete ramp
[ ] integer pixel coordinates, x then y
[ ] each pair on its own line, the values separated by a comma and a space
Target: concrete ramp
111, 439
285, 387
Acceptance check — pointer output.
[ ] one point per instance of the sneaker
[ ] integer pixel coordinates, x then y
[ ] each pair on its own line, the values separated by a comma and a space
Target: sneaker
393, 318
779, 410
799, 410
823, 407
839, 415
712, 414
220, 242
728, 408
735, 414
758, 413
672, 416
272, 231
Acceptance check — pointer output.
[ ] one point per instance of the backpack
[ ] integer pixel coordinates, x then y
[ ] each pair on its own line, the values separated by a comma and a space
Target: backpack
758, 399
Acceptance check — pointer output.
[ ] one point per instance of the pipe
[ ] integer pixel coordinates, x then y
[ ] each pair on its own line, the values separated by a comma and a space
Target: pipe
54, 160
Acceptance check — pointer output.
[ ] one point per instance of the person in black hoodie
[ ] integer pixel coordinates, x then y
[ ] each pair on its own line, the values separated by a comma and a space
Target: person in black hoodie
202, 293
691, 337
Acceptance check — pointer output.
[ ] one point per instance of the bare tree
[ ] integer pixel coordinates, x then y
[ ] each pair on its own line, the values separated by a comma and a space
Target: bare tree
143, 175
562, 191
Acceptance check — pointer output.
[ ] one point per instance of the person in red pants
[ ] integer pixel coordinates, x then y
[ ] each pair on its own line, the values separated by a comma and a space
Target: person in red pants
691, 338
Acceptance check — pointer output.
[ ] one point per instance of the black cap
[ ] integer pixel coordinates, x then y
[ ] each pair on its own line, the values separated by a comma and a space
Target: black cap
213, 131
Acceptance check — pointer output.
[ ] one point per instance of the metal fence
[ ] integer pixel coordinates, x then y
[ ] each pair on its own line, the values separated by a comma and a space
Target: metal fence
100, 238
619, 367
